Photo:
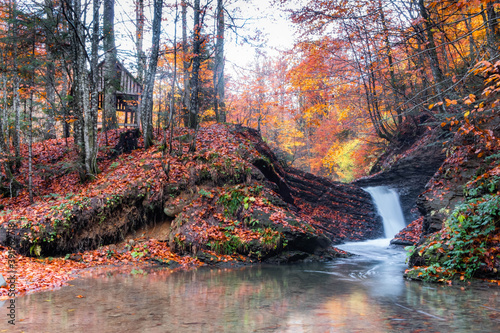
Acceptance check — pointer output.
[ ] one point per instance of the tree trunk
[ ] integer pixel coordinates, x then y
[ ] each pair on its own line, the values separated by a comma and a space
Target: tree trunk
146, 108
85, 132
185, 65
4, 136
195, 84
64, 102
50, 83
3, 114
111, 82
472, 45
139, 38
172, 88
15, 87
30, 150
431, 51
172, 103
394, 83
219, 105
493, 32
82, 89
94, 94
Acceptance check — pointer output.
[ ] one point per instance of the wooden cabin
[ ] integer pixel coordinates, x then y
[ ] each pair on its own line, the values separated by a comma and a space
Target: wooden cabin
128, 97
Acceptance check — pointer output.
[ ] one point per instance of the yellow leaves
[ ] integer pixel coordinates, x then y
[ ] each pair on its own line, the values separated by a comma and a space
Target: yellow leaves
289, 136
339, 159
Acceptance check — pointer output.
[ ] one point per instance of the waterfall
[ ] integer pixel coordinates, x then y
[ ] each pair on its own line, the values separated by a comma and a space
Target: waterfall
387, 202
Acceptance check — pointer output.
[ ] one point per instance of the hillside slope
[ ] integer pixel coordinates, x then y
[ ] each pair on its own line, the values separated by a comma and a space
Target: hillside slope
230, 197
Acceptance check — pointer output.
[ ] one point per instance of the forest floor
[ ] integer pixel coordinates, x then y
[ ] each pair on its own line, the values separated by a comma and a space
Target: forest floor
55, 182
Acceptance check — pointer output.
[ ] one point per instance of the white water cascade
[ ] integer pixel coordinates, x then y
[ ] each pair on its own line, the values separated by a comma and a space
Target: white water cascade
387, 202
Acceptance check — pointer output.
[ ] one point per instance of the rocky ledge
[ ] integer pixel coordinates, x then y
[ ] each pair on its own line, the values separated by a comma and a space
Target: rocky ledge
408, 173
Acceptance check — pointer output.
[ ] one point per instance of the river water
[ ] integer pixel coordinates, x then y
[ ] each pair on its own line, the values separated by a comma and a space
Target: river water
366, 293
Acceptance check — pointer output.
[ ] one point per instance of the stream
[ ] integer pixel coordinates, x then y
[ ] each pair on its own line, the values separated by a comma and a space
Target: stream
364, 293
360, 294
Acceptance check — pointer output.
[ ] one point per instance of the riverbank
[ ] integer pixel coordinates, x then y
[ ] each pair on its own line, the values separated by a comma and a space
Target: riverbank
455, 234
39, 274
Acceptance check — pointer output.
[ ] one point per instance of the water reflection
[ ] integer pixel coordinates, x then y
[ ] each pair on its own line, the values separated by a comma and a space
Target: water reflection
348, 295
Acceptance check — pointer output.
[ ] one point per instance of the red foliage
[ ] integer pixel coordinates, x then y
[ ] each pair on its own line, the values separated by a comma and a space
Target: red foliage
34, 274
412, 233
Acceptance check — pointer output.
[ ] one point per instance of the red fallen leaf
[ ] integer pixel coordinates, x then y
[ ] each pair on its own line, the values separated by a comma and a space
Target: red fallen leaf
80, 296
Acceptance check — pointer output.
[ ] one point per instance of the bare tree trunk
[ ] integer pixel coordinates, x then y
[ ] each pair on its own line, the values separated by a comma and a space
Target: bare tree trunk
3, 117
493, 32
166, 168
30, 126
139, 38
185, 66
15, 87
430, 47
30, 150
472, 45
111, 83
219, 105
64, 94
141, 58
4, 137
195, 84
82, 88
394, 83
85, 131
72, 12
3, 114
94, 94
146, 108
174, 79
50, 83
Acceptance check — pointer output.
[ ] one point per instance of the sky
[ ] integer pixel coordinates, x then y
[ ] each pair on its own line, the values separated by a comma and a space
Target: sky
276, 30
